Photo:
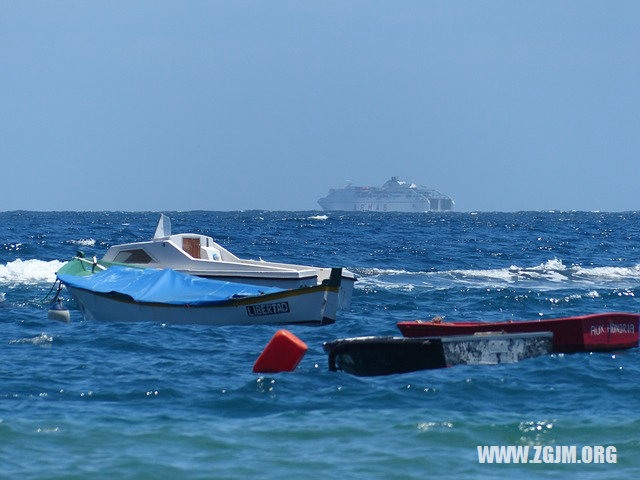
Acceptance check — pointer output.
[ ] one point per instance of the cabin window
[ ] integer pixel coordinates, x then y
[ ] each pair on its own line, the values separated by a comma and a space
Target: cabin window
133, 256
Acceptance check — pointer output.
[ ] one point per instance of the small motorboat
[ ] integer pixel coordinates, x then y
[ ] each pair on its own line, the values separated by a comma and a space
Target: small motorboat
199, 255
369, 356
108, 292
600, 331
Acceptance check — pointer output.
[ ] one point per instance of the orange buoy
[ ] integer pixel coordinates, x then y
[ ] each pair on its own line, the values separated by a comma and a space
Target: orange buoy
282, 354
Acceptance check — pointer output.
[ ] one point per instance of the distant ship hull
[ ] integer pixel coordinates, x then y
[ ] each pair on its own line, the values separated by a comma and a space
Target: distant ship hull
394, 196
379, 206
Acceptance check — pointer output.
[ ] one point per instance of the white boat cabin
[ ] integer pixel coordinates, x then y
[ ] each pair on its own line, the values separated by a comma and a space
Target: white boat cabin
199, 255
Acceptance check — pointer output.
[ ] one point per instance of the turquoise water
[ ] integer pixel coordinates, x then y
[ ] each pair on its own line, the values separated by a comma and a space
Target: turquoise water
150, 401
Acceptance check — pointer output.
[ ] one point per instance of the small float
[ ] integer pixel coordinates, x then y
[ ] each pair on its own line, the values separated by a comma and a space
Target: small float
109, 292
369, 356
601, 331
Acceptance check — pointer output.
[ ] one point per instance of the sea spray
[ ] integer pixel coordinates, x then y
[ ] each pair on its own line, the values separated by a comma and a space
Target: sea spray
84, 242
29, 271
41, 340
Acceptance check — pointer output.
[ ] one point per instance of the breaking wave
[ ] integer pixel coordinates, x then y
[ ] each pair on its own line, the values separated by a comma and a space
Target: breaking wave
42, 339
608, 273
550, 272
318, 217
85, 242
29, 271
386, 271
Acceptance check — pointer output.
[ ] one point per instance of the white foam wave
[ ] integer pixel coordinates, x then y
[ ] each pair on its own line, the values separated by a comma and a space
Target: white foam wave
2, 297
29, 271
85, 242
505, 274
551, 271
568, 298
385, 271
42, 339
371, 282
608, 273
318, 217
553, 264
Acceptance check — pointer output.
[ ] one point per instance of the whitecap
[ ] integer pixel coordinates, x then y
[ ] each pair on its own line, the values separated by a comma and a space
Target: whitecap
29, 271
505, 274
575, 296
366, 283
42, 339
427, 426
385, 271
608, 273
85, 242
552, 271
2, 297
318, 217
554, 264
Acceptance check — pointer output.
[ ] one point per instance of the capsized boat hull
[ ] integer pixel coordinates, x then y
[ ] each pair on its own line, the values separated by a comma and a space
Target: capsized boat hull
302, 306
371, 356
602, 331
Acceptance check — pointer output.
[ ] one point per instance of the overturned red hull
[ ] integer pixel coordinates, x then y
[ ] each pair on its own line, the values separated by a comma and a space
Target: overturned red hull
601, 331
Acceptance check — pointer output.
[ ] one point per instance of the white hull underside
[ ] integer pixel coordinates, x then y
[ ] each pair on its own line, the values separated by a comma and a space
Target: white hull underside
380, 206
317, 306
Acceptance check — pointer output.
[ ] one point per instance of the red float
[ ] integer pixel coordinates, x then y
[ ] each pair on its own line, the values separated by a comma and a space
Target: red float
282, 354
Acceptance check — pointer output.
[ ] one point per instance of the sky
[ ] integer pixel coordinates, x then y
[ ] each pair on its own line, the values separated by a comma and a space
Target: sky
152, 105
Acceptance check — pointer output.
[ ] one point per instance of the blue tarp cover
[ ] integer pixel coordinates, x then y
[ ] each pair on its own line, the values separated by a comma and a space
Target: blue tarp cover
163, 286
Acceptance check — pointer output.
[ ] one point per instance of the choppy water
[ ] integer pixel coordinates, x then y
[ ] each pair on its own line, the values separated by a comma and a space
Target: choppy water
152, 401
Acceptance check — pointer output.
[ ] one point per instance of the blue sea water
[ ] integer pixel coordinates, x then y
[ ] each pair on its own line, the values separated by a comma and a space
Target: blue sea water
99, 400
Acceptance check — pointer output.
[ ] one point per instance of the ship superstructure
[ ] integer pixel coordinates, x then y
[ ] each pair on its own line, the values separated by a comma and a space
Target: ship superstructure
394, 196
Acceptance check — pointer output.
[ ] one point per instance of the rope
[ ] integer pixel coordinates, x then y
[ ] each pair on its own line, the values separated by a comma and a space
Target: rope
50, 290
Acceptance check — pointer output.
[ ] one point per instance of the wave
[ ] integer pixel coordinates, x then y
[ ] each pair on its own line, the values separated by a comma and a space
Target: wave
386, 271
608, 273
552, 271
318, 217
85, 242
29, 271
42, 339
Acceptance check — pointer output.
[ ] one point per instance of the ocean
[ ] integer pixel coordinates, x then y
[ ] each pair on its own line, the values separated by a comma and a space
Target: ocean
144, 400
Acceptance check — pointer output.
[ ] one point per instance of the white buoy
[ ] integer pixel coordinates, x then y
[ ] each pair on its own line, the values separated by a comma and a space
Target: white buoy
58, 312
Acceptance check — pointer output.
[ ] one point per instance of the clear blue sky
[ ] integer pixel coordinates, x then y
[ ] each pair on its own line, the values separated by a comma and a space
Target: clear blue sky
151, 105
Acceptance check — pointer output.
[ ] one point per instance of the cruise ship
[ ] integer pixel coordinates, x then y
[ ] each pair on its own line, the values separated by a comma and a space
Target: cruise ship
394, 196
